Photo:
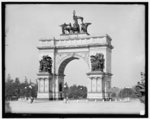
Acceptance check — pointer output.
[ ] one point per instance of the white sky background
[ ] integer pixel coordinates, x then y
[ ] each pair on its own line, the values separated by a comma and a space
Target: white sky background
26, 24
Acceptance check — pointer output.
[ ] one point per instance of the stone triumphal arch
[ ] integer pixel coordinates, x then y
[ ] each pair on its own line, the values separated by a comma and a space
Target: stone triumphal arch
74, 43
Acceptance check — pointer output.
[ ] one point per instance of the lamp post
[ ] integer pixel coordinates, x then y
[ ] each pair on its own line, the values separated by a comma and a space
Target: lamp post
25, 93
65, 92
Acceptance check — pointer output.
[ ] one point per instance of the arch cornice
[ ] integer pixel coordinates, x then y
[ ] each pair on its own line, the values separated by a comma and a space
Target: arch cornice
76, 42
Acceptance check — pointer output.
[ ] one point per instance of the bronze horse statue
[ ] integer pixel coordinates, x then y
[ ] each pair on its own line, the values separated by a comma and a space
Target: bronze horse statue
68, 28
84, 27
65, 27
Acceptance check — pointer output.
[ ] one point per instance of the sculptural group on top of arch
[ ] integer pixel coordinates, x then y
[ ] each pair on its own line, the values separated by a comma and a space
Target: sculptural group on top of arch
75, 27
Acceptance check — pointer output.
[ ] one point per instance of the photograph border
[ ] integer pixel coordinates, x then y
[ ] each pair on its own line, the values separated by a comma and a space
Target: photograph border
10, 115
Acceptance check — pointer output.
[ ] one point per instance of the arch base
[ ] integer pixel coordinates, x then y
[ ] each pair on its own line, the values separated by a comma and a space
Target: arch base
98, 85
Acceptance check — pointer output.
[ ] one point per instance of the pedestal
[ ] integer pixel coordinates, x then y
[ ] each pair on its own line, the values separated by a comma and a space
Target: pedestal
45, 88
96, 88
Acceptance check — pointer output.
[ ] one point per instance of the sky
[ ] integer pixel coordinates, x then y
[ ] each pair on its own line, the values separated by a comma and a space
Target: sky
26, 24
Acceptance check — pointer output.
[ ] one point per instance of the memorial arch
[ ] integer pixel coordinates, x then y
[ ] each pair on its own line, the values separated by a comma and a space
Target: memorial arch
56, 53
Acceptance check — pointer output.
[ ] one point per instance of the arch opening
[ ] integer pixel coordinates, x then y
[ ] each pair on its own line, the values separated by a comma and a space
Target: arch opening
73, 72
64, 64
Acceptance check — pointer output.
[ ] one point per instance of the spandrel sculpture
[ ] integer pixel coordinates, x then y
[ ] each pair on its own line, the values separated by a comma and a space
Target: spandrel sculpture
46, 64
97, 62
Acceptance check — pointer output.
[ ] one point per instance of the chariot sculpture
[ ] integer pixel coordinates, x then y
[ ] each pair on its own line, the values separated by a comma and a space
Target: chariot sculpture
75, 27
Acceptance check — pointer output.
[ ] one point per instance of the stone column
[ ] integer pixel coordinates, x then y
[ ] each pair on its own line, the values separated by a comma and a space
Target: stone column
39, 85
60, 83
56, 82
53, 87
56, 87
107, 84
46, 85
93, 84
99, 84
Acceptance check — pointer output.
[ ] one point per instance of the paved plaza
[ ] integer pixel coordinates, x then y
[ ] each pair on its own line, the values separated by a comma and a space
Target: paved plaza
74, 106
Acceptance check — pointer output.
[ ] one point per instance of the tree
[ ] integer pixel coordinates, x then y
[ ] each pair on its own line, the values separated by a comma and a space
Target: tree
73, 92
139, 91
77, 92
22, 90
126, 93
9, 79
26, 81
17, 87
114, 92
8, 87
113, 95
12, 88
82, 92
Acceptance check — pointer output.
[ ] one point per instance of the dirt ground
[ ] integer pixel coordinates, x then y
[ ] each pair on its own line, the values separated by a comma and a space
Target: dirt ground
77, 106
